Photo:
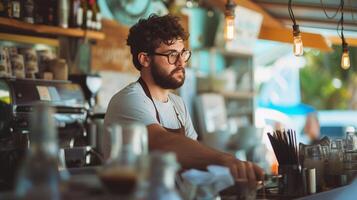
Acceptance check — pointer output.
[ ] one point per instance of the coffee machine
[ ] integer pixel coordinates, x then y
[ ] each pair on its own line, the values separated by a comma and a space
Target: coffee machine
17, 98
91, 84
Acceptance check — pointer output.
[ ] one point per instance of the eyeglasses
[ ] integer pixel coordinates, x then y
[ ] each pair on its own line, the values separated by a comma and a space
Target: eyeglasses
173, 56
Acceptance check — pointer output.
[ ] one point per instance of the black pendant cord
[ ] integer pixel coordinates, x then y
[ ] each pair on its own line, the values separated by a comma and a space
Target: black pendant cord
324, 9
342, 27
291, 13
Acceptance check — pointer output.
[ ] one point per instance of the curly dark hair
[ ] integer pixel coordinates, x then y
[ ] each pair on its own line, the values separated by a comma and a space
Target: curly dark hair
147, 35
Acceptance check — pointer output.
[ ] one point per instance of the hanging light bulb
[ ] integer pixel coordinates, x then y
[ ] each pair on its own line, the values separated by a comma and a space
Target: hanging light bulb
345, 59
229, 28
229, 21
298, 46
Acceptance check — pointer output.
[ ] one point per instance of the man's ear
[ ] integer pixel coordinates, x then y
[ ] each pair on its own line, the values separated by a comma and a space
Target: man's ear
144, 59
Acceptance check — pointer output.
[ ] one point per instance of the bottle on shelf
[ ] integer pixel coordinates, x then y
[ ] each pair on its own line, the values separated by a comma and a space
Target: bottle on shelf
89, 15
97, 17
28, 11
63, 13
84, 8
3, 8
52, 13
45, 12
14, 9
76, 14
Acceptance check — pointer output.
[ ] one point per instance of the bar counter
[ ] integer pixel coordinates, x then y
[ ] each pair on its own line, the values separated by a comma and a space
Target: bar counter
84, 184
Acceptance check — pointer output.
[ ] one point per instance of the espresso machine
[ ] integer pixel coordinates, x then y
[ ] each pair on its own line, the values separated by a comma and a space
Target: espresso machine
91, 84
17, 98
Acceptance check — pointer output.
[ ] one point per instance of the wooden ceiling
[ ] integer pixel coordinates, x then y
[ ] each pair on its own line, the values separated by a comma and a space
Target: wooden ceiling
309, 15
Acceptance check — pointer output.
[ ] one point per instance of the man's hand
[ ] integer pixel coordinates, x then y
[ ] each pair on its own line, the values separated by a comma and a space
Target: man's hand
243, 170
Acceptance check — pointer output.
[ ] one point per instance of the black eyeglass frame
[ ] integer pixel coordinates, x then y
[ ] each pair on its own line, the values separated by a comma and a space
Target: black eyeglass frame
167, 55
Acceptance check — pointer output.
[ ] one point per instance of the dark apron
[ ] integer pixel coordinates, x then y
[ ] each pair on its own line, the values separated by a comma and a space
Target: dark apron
179, 131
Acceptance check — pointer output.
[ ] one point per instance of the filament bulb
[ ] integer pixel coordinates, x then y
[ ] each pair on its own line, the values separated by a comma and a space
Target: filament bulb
229, 27
345, 60
298, 47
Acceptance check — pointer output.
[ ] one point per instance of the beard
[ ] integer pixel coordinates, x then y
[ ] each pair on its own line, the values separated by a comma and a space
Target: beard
167, 81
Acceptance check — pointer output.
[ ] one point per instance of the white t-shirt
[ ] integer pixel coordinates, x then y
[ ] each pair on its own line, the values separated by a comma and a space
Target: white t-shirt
132, 104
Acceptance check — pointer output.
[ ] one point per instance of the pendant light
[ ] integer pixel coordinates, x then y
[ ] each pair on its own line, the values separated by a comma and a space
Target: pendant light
298, 47
229, 20
345, 58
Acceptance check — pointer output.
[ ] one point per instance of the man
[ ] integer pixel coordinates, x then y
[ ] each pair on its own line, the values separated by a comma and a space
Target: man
157, 47
311, 132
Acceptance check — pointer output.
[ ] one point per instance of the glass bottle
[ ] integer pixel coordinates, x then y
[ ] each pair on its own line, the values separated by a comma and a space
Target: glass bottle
84, 8
163, 168
89, 15
76, 14
63, 13
96, 22
98, 17
14, 9
3, 8
38, 177
28, 11
351, 139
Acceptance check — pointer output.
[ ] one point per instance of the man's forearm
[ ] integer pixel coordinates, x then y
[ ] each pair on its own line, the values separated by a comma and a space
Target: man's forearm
190, 153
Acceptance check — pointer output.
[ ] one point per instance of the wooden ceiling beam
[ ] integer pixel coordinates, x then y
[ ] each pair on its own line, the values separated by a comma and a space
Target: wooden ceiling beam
285, 35
273, 29
337, 41
312, 23
268, 20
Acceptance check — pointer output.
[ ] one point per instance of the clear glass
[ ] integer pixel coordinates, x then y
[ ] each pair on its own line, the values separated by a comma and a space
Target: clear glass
38, 177
298, 46
335, 160
124, 172
314, 157
351, 139
163, 168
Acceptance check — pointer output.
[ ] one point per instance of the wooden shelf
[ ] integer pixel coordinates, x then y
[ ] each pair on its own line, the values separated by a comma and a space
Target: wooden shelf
225, 52
28, 39
238, 95
51, 30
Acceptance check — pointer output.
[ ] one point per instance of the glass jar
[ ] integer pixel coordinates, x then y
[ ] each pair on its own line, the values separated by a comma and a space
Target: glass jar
163, 168
124, 172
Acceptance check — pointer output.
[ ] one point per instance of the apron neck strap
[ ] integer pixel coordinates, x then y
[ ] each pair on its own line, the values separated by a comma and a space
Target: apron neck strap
148, 94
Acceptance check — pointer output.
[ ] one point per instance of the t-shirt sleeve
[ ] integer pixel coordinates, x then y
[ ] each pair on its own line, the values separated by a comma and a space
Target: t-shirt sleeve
130, 107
